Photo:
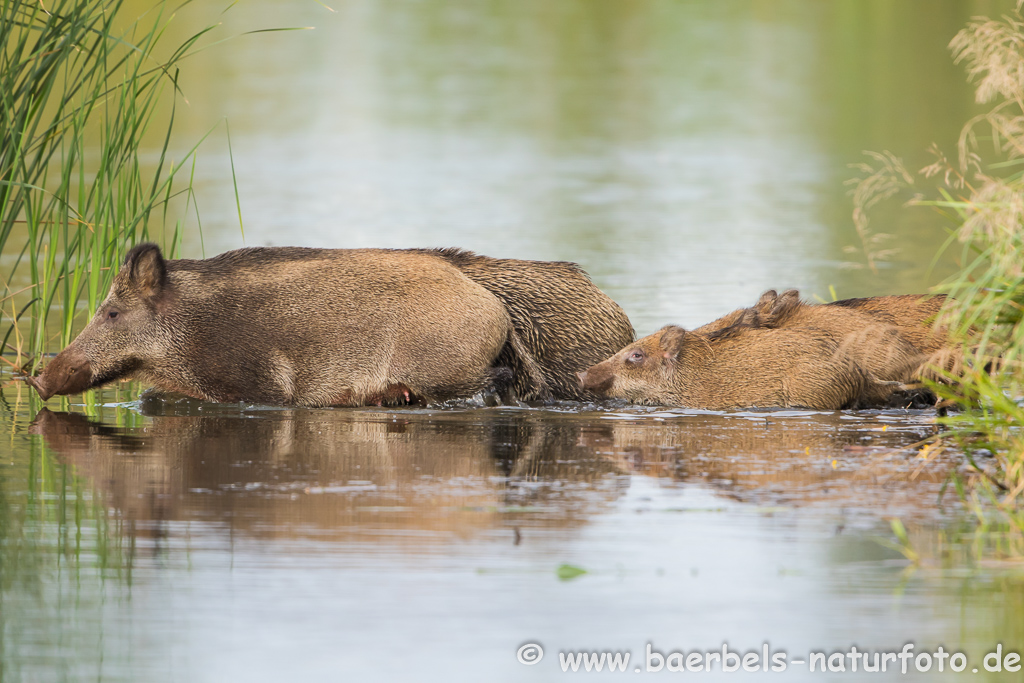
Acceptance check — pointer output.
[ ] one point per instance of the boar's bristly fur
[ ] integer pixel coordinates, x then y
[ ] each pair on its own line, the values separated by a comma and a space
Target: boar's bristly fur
892, 337
291, 325
565, 322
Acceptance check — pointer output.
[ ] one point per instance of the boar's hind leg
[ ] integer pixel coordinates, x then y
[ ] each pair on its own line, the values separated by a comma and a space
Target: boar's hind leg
894, 394
515, 373
396, 394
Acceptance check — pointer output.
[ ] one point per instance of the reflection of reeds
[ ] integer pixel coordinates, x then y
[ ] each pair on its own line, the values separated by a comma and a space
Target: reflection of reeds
81, 87
57, 538
982, 190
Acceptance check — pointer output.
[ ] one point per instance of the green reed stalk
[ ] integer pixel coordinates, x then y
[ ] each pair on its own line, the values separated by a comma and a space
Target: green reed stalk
82, 85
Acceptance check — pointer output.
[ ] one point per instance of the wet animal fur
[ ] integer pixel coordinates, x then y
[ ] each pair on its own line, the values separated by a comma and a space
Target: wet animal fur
755, 367
565, 323
895, 338
290, 325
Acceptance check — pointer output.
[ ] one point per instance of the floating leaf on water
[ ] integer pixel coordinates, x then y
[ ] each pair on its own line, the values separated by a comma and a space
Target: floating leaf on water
567, 572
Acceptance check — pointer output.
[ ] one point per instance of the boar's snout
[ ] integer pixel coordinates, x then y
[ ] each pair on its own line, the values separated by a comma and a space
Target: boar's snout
39, 385
68, 373
597, 378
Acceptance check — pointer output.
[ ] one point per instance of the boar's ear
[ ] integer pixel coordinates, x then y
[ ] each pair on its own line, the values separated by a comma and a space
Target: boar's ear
767, 300
147, 273
672, 339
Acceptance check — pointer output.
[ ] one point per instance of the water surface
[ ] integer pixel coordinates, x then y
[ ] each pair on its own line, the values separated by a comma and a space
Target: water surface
162, 540
689, 155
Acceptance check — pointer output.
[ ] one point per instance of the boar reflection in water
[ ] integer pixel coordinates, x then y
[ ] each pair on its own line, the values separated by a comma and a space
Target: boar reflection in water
789, 459
347, 474
319, 327
286, 471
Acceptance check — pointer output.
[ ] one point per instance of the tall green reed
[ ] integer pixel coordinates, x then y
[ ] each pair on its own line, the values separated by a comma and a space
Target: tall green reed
82, 85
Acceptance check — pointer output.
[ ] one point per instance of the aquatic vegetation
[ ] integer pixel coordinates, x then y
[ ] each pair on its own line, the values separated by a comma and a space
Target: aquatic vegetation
567, 572
85, 90
981, 190
88, 91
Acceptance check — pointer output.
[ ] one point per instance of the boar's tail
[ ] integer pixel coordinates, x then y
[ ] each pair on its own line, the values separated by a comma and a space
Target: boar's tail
528, 380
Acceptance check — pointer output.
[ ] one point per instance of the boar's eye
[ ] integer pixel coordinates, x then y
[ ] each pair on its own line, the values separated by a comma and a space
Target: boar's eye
112, 314
635, 357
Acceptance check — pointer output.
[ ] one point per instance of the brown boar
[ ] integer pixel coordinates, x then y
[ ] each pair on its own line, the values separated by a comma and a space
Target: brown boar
313, 327
917, 317
911, 311
914, 314
783, 352
565, 322
893, 337
748, 367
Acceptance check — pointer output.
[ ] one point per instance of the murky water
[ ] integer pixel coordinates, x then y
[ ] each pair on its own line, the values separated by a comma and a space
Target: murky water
189, 541
689, 156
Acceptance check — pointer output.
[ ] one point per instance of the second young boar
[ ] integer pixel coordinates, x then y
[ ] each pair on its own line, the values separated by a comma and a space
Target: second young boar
755, 368
782, 352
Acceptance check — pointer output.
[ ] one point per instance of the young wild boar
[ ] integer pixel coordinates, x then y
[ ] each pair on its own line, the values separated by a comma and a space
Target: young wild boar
782, 352
565, 322
752, 367
914, 314
893, 337
917, 317
313, 327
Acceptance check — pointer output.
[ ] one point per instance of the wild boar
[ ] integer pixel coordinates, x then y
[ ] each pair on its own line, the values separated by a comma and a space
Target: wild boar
919, 322
749, 367
565, 322
915, 314
892, 337
312, 327
783, 352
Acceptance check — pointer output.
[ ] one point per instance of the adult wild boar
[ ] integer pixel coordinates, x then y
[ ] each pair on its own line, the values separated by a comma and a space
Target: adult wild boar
565, 322
313, 327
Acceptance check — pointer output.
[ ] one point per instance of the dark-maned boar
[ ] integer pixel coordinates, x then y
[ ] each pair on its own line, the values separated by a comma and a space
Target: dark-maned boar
565, 322
312, 327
